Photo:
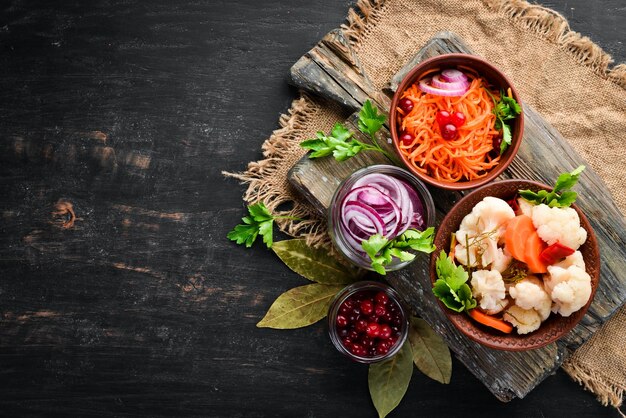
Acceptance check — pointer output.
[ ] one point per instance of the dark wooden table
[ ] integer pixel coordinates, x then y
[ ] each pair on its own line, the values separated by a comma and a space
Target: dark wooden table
119, 294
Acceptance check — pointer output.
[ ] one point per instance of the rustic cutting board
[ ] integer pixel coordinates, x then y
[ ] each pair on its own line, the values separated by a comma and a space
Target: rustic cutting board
332, 70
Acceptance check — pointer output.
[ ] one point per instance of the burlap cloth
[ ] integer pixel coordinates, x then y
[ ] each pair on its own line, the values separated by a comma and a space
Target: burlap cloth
561, 74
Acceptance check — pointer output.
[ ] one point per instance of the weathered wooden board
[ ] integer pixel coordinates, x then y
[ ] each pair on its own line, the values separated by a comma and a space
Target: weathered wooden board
542, 156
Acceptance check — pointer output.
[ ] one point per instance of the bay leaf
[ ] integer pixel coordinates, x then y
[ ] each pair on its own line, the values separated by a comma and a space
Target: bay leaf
389, 380
300, 306
431, 355
316, 264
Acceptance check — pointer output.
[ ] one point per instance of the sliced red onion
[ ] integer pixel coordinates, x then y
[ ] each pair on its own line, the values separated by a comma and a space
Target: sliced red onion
379, 204
451, 75
427, 88
439, 83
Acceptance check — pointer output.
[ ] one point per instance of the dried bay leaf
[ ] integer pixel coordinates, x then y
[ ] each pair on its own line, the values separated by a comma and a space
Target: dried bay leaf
316, 264
389, 380
431, 355
300, 306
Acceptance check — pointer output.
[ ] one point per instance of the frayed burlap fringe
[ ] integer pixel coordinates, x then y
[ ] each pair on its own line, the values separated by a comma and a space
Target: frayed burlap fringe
361, 18
553, 27
607, 393
264, 186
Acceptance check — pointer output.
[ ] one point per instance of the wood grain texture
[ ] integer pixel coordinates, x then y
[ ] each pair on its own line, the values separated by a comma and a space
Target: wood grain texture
129, 111
543, 155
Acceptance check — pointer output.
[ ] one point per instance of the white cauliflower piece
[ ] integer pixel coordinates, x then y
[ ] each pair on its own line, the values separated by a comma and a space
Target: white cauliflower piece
488, 288
575, 259
569, 288
530, 294
525, 320
501, 260
500, 306
482, 228
525, 207
559, 225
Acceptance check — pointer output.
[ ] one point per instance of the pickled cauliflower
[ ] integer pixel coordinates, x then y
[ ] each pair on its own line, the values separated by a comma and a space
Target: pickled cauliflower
560, 225
575, 259
482, 229
525, 320
488, 289
525, 207
569, 288
530, 294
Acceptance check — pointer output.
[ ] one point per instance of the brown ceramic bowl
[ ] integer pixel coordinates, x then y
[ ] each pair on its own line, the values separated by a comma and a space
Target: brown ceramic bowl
555, 326
495, 78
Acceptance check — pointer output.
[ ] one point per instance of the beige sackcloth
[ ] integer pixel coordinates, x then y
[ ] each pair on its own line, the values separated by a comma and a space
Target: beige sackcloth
560, 73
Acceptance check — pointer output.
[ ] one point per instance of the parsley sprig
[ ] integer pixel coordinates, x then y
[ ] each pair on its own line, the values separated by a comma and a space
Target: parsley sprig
505, 109
561, 196
341, 142
259, 222
381, 250
451, 286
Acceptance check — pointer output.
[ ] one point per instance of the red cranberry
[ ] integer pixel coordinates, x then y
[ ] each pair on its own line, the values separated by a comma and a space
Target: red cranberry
382, 298
407, 139
373, 330
343, 332
356, 348
382, 348
448, 132
385, 332
342, 321
353, 335
361, 325
388, 317
367, 307
368, 342
380, 310
458, 119
443, 118
406, 105
347, 342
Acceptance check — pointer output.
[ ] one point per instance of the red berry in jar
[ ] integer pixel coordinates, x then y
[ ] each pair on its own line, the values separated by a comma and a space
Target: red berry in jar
448, 132
381, 298
385, 332
380, 310
367, 307
342, 321
382, 348
457, 119
443, 118
407, 139
406, 105
373, 330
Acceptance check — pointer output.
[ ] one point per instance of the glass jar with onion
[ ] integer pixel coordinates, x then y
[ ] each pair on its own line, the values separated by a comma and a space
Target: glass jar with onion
379, 199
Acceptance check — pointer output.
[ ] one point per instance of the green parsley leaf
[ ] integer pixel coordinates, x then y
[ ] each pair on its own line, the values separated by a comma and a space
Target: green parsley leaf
555, 199
505, 109
451, 286
259, 222
370, 121
382, 251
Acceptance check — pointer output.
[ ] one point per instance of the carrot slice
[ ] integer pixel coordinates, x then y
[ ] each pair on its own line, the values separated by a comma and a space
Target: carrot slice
490, 321
517, 232
532, 253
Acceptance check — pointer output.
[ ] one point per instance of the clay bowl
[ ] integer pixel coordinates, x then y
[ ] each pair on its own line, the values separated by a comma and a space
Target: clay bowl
495, 78
555, 326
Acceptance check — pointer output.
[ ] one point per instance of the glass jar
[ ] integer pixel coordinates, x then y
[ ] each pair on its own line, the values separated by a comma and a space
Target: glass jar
360, 258
344, 335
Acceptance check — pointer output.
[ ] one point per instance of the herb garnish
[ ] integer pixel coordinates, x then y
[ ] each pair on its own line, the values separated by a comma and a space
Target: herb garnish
451, 286
515, 272
561, 196
505, 109
260, 221
382, 250
341, 143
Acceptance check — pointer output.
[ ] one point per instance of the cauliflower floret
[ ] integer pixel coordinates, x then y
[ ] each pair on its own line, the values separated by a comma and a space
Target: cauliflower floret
488, 288
500, 306
525, 207
559, 225
482, 228
529, 294
575, 259
569, 288
525, 320
501, 260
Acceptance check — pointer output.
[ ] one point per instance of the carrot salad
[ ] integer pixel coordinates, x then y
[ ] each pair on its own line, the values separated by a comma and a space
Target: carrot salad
467, 156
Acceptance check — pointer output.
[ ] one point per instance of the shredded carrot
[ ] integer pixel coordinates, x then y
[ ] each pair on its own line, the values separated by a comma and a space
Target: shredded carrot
466, 157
